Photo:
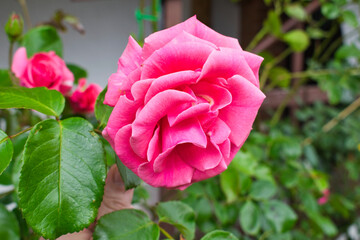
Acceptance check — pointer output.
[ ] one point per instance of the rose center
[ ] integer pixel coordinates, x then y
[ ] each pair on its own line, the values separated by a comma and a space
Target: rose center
207, 99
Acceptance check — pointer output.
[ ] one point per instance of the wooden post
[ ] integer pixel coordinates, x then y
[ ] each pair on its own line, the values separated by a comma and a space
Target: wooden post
173, 11
202, 9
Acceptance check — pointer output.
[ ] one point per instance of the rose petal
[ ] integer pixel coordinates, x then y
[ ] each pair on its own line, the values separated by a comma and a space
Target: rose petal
154, 146
140, 88
122, 114
225, 149
159, 39
153, 111
115, 82
19, 62
176, 172
174, 58
188, 131
227, 63
191, 112
217, 96
219, 131
240, 115
171, 81
233, 151
199, 158
254, 62
119, 84
244, 94
131, 58
124, 151
202, 175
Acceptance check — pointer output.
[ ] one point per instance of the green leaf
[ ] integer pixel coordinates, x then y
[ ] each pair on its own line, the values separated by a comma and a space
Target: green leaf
262, 189
49, 102
280, 216
126, 224
5, 80
346, 51
9, 229
273, 24
285, 148
219, 235
245, 162
102, 111
6, 151
280, 76
350, 18
110, 154
297, 39
315, 33
250, 218
296, 11
131, 180
178, 214
289, 177
280, 236
330, 10
62, 178
229, 183
324, 223
78, 71
42, 39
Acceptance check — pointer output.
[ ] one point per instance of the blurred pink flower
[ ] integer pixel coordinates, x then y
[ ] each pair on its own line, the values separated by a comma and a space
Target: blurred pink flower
184, 104
44, 69
84, 97
325, 198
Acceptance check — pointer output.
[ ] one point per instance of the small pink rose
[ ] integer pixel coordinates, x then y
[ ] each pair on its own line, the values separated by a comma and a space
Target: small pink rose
44, 69
84, 97
184, 104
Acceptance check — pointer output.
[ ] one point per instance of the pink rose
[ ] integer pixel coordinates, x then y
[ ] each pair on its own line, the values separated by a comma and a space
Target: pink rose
42, 70
184, 104
84, 97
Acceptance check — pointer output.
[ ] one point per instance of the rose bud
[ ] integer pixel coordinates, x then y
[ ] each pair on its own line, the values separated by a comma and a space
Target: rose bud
44, 69
184, 104
14, 27
84, 97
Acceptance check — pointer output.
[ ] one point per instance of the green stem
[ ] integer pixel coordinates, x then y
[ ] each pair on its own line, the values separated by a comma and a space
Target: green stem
304, 77
258, 37
265, 235
15, 135
326, 42
98, 131
335, 121
341, 116
335, 44
165, 233
155, 13
278, 59
309, 73
331, 49
11, 47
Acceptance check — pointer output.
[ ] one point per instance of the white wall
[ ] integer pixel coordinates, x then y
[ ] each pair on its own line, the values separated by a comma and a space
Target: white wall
108, 24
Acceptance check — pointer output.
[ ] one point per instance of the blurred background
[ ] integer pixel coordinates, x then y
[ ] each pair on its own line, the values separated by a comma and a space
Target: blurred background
108, 24
297, 176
